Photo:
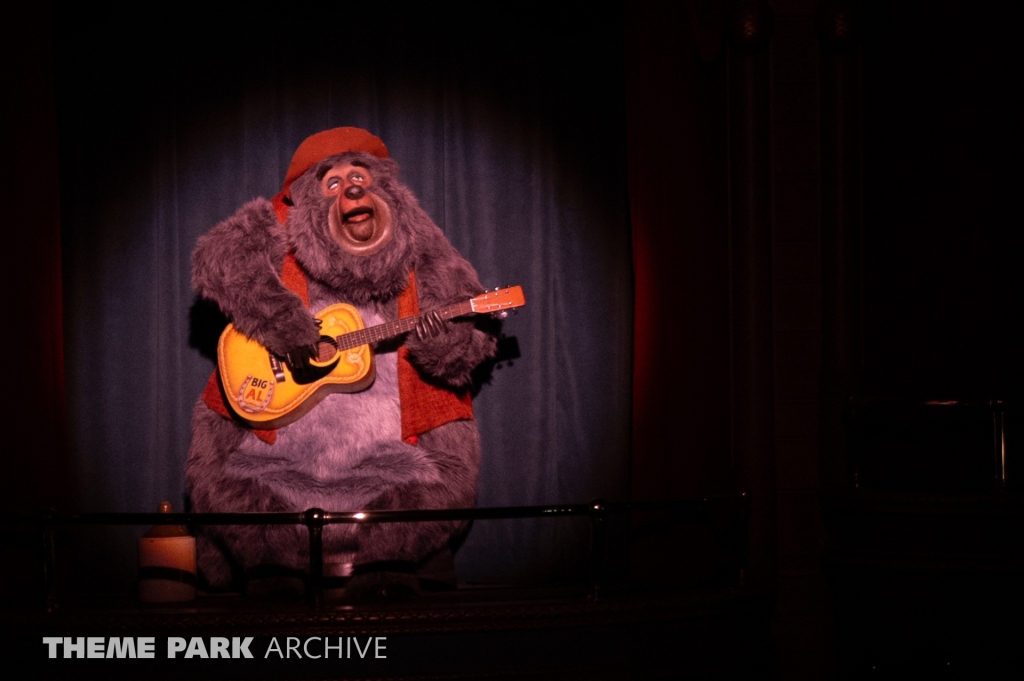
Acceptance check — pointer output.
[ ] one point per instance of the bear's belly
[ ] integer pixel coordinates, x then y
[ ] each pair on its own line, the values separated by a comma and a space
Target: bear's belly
335, 438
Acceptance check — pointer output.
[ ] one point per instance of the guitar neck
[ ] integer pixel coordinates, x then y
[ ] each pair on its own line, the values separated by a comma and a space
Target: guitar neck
388, 330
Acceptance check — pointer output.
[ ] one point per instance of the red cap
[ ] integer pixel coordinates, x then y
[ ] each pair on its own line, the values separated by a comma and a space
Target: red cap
316, 148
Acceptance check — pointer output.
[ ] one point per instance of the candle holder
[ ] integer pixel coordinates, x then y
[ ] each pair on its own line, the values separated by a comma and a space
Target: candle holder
167, 563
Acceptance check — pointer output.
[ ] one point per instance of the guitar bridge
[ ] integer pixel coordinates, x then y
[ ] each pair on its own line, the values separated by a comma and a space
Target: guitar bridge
275, 366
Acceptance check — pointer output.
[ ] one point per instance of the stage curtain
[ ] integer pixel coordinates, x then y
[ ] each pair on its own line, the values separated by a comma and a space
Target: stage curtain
511, 132
676, 112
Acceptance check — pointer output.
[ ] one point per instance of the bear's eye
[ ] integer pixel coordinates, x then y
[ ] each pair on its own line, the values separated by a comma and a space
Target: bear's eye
356, 177
333, 183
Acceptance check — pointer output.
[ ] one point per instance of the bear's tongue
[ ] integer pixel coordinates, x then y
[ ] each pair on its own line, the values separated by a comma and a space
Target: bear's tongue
358, 223
360, 214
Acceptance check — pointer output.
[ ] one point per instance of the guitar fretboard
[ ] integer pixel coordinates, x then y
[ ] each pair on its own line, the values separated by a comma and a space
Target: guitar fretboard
396, 328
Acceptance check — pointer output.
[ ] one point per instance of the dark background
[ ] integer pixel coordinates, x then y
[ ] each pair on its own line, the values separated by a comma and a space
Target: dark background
858, 240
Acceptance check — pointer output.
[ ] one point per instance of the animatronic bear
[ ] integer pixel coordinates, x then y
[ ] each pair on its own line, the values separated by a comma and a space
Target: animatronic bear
343, 229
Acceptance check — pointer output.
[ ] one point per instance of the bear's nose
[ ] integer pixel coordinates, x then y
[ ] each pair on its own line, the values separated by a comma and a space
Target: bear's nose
355, 193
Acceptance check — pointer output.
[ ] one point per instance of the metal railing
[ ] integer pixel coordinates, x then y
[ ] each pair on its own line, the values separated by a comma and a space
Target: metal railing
315, 519
996, 407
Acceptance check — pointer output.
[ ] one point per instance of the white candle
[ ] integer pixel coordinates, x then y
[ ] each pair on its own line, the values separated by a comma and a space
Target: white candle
167, 563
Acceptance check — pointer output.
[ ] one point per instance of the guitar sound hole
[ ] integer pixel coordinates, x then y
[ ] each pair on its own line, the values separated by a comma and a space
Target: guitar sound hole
326, 349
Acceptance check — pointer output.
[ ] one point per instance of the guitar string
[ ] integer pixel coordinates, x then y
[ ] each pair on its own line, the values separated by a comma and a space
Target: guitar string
364, 336
347, 341
353, 339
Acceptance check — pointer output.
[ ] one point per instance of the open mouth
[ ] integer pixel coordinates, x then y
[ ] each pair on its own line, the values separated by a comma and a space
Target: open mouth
363, 230
360, 214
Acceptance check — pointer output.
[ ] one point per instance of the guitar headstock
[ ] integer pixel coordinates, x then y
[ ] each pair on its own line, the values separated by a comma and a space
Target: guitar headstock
498, 300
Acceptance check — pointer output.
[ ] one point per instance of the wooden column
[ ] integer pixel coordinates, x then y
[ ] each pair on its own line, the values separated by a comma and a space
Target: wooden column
749, 27
841, 235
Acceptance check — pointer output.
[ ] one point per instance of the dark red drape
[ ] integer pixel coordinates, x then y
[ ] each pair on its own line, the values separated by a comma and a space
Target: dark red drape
34, 458
677, 189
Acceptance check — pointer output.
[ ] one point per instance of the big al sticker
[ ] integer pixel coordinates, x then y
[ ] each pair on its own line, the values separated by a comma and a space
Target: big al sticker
255, 394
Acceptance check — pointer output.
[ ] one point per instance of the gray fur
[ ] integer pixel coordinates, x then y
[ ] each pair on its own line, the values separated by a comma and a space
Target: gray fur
236, 265
346, 453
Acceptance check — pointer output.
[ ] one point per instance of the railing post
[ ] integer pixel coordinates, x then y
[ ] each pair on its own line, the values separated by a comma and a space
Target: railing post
50, 599
598, 539
853, 444
999, 443
314, 522
740, 523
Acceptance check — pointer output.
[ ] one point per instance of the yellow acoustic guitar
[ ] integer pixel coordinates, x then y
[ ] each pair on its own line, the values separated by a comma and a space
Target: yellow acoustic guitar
266, 392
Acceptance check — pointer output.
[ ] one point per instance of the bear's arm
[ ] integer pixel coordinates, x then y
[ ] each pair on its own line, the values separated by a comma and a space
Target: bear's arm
236, 265
444, 277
